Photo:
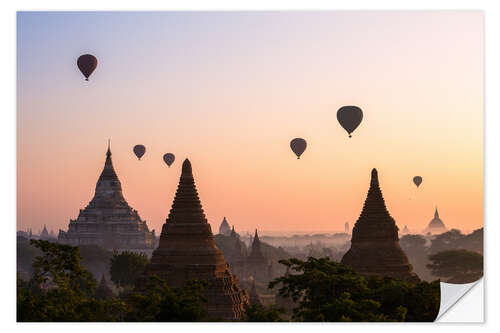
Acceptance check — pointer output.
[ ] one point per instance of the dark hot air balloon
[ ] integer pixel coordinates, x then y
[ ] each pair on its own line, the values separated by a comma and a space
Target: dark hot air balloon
298, 146
349, 118
139, 151
169, 158
87, 63
417, 180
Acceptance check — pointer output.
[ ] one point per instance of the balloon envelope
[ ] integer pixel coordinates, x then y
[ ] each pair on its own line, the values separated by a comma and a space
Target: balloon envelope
417, 180
169, 158
349, 118
139, 151
87, 63
298, 146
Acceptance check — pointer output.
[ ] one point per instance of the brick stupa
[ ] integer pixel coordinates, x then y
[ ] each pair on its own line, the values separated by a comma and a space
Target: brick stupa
375, 248
187, 251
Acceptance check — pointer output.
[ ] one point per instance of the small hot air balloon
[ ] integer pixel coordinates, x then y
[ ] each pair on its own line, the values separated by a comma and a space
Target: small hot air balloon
169, 158
298, 146
417, 180
139, 151
87, 63
349, 118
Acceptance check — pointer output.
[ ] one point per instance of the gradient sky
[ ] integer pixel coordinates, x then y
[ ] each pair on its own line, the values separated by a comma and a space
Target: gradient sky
229, 90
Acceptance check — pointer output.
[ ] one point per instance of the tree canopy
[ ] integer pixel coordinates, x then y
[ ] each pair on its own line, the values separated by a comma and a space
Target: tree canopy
127, 267
459, 266
328, 291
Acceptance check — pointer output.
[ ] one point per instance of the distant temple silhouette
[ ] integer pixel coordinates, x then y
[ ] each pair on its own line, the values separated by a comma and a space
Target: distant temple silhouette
255, 265
436, 226
187, 251
108, 220
224, 228
375, 248
44, 234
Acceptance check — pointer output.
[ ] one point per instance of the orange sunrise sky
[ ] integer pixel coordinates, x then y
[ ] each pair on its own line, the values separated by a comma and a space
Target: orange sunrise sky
229, 90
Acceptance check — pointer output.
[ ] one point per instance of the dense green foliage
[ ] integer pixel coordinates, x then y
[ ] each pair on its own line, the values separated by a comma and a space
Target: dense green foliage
96, 259
328, 291
127, 267
61, 289
459, 266
26, 254
260, 313
155, 301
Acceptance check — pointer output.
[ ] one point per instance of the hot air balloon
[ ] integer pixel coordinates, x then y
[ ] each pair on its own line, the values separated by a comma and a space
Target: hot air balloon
169, 158
349, 118
417, 180
139, 151
298, 146
87, 63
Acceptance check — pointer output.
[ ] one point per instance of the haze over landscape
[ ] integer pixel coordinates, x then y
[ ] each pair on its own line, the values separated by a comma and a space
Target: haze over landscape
229, 91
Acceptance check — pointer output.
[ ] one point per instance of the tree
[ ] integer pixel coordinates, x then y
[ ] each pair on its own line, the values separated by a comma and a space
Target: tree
26, 254
446, 241
127, 267
415, 248
328, 291
96, 259
259, 313
460, 266
62, 289
154, 300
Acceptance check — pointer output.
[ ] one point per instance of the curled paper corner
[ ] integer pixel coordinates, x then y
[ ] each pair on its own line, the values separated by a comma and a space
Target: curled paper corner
461, 302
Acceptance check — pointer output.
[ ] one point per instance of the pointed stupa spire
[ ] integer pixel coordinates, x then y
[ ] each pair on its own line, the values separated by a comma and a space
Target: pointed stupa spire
436, 225
108, 189
187, 251
233, 233
224, 228
375, 248
375, 203
103, 291
186, 207
256, 254
256, 240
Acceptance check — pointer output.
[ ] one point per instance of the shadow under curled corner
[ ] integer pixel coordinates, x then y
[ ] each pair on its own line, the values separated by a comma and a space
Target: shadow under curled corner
454, 297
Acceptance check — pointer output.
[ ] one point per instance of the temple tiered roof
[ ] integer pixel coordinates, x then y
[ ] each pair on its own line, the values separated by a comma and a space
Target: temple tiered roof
224, 228
108, 220
375, 248
256, 254
187, 251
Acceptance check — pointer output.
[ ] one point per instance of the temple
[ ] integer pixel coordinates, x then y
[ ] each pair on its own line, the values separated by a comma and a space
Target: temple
436, 226
108, 220
224, 228
187, 251
103, 291
375, 248
44, 234
256, 264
